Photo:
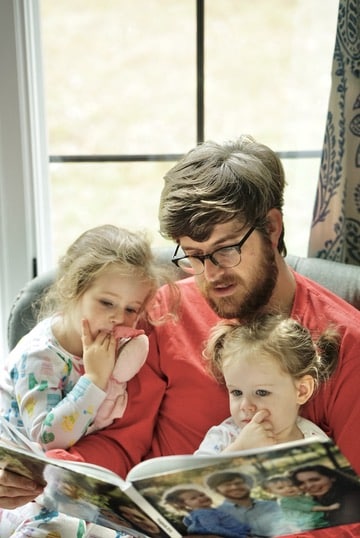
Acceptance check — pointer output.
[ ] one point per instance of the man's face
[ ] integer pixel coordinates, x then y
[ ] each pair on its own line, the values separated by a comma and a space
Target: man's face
243, 290
235, 489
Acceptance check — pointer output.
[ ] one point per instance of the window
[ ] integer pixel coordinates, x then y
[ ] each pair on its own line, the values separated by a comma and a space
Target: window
121, 83
123, 78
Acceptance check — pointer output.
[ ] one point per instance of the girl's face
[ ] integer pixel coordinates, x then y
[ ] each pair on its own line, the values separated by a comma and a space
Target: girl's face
193, 499
314, 483
113, 299
257, 382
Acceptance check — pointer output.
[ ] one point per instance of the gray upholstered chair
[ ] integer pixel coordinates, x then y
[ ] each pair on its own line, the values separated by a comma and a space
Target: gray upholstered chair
344, 280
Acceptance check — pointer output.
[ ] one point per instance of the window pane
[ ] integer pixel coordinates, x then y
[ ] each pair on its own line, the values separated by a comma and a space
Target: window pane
268, 70
119, 75
87, 195
301, 177
121, 79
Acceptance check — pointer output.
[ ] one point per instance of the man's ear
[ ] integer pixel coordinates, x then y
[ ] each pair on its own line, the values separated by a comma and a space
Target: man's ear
274, 225
305, 387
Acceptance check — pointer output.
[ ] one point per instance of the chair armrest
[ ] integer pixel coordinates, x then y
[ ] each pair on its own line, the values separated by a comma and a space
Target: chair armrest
23, 312
340, 278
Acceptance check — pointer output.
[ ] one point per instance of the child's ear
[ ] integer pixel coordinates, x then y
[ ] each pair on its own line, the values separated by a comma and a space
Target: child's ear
305, 387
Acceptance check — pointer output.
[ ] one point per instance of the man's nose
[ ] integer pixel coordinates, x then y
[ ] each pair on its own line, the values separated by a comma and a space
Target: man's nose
211, 270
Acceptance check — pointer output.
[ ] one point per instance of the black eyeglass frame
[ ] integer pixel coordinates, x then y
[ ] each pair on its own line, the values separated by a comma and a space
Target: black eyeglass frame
203, 257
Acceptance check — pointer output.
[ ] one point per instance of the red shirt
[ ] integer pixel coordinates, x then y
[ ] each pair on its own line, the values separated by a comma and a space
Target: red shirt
336, 405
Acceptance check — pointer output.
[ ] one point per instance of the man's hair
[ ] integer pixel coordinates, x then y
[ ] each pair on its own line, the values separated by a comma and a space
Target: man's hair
215, 183
214, 480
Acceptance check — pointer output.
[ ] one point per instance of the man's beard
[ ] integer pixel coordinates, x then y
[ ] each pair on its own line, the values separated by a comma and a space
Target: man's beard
251, 301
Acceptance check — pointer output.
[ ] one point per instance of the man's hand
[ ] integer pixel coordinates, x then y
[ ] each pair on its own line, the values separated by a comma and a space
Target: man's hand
16, 490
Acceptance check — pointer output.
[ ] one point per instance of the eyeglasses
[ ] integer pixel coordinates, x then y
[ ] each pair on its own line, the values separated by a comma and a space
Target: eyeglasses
224, 257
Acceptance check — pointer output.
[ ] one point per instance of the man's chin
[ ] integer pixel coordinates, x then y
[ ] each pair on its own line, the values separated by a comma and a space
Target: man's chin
223, 308
244, 310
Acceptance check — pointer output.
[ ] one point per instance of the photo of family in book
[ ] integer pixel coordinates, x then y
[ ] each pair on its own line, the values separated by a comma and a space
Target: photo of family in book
253, 496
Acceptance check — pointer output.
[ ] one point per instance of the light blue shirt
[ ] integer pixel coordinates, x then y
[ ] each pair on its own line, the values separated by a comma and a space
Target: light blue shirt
265, 518
215, 521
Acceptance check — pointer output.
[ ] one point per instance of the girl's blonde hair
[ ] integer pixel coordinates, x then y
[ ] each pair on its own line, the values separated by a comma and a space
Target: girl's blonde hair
284, 339
91, 254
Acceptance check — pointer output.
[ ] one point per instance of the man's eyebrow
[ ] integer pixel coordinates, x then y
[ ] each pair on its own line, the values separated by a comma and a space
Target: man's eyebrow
230, 239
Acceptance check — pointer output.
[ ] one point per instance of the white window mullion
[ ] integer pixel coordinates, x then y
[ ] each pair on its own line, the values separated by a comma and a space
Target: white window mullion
35, 128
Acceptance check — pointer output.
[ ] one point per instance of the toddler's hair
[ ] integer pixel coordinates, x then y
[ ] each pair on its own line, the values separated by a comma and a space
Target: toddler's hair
275, 479
173, 498
92, 253
274, 335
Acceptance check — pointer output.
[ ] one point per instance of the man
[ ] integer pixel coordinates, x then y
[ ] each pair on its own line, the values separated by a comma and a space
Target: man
222, 205
265, 518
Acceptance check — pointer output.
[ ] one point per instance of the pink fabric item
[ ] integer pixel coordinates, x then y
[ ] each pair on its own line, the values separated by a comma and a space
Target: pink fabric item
120, 331
132, 356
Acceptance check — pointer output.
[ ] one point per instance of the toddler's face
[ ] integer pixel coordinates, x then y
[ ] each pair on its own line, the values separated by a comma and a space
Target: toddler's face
195, 499
283, 488
257, 382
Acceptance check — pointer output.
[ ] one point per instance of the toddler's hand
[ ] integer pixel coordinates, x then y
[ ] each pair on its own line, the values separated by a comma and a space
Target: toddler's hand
257, 433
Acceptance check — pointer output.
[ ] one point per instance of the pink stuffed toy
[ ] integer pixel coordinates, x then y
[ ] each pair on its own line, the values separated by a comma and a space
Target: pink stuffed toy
133, 346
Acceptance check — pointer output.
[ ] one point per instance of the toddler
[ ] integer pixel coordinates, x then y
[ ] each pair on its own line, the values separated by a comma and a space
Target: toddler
271, 367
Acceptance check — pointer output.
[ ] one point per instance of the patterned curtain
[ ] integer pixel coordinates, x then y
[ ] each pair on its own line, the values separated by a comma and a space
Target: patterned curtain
335, 228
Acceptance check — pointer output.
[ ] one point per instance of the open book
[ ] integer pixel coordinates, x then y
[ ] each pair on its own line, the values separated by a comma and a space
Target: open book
144, 505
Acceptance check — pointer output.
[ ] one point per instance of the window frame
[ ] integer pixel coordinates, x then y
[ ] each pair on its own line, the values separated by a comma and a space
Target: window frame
24, 183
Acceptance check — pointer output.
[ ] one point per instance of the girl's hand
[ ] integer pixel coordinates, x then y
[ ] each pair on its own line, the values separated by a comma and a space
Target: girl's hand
258, 432
99, 355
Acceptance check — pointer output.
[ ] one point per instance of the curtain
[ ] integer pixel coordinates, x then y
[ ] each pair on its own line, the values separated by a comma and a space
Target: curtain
335, 228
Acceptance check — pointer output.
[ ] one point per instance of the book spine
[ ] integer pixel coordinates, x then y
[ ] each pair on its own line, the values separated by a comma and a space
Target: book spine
158, 518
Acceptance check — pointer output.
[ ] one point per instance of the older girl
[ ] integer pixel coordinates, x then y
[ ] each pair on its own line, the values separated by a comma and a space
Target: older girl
67, 377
